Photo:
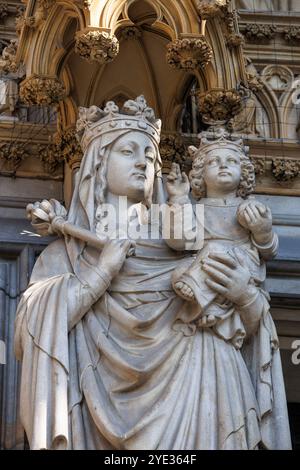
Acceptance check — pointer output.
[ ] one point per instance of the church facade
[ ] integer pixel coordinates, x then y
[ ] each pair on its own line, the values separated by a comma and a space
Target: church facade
196, 62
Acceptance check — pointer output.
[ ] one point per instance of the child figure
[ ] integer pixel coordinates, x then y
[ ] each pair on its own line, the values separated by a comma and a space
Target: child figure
222, 178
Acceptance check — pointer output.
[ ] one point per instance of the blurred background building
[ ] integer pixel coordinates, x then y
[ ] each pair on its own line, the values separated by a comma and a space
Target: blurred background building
197, 62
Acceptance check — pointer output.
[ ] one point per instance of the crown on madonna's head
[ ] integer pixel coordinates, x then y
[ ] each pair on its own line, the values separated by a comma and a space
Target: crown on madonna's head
135, 115
216, 138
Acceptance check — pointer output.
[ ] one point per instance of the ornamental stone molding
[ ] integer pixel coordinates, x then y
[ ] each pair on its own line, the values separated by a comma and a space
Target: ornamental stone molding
278, 77
172, 149
68, 147
210, 8
11, 156
218, 106
260, 32
285, 169
96, 46
3, 11
189, 53
50, 157
42, 90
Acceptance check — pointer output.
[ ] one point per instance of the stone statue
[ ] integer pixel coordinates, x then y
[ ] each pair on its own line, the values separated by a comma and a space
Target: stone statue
109, 360
237, 231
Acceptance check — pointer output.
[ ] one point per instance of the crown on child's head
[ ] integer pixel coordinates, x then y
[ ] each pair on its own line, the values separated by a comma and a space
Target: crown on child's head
216, 138
135, 115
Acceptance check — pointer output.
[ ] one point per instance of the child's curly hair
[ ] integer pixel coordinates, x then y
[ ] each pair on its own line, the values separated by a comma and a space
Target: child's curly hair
247, 182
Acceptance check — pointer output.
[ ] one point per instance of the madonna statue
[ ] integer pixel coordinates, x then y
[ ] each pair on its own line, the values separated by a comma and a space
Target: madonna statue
104, 364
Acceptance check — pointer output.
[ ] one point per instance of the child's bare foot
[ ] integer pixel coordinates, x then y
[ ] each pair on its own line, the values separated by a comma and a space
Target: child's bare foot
184, 291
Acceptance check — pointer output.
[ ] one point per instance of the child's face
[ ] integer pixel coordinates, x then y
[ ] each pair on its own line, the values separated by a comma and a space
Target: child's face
222, 170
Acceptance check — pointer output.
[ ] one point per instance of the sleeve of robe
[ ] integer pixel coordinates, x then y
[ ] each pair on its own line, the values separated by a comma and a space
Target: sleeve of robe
41, 342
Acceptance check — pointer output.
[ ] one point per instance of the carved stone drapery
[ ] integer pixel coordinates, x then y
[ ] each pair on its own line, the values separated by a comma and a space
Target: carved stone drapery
218, 106
69, 148
172, 149
285, 169
96, 46
42, 90
189, 53
11, 156
211, 8
260, 32
50, 157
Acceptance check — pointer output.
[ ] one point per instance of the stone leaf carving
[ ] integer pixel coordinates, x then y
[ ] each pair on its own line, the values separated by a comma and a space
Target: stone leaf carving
211, 8
12, 155
3, 11
68, 146
42, 90
50, 157
218, 105
172, 149
96, 46
189, 53
292, 34
234, 40
258, 32
285, 169
259, 164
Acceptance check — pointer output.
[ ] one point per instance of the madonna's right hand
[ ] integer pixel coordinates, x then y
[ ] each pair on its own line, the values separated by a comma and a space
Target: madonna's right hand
113, 256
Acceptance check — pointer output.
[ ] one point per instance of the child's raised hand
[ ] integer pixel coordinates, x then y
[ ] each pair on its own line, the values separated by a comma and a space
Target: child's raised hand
177, 183
257, 218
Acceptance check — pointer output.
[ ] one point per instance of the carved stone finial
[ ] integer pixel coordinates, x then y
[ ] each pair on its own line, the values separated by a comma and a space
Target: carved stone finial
218, 106
96, 46
68, 147
189, 53
172, 149
210, 8
42, 90
285, 169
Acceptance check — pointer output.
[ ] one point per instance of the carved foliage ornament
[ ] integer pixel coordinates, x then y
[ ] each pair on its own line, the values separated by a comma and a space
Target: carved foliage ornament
50, 157
42, 90
218, 106
258, 32
96, 46
292, 34
259, 164
8, 60
285, 169
12, 155
3, 11
172, 149
189, 53
68, 147
210, 8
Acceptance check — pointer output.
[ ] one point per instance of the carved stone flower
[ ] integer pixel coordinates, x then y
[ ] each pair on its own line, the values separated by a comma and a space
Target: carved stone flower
41, 90
285, 169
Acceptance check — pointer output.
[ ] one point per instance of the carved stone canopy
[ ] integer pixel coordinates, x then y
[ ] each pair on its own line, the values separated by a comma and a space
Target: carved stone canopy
189, 53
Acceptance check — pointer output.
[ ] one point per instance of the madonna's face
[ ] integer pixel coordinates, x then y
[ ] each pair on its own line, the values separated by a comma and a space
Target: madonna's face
222, 170
130, 166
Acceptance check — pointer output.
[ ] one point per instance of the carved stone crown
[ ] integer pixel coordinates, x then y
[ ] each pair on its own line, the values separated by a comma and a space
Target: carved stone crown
215, 138
135, 115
